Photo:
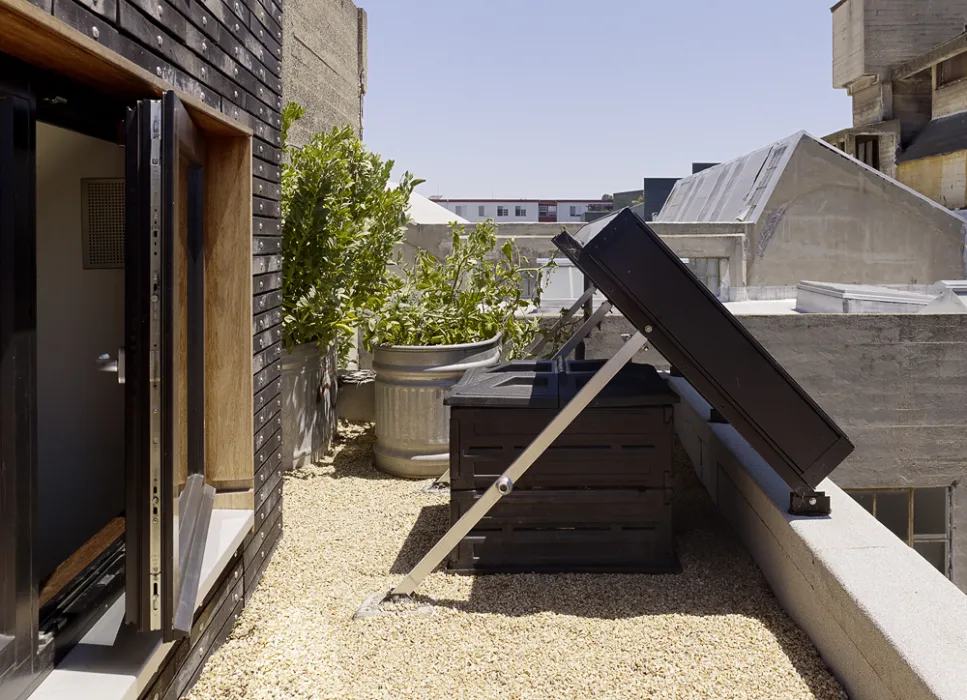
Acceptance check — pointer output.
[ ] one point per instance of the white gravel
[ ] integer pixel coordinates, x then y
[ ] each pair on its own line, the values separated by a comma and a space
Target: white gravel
715, 631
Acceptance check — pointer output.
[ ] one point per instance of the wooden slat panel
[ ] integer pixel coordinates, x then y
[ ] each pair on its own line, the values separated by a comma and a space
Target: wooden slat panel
267, 394
264, 245
266, 357
228, 301
267, 320
272, 407
35, 36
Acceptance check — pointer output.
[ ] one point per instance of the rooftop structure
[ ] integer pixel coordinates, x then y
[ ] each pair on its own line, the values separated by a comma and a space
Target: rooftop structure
808, 211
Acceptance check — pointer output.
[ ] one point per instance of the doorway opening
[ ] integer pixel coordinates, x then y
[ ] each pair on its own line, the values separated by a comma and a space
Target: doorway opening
79, 225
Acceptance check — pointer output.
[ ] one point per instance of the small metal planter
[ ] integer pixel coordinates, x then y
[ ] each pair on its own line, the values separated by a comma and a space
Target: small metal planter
308, 404
412, 424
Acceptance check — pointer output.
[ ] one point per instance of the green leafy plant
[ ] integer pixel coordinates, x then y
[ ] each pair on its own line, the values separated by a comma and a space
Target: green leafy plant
340, 224
473, 294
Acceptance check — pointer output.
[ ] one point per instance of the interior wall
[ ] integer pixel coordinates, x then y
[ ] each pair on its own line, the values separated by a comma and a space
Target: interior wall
80, 315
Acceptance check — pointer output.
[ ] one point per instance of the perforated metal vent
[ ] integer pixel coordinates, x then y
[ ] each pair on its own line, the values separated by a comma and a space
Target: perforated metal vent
102, 222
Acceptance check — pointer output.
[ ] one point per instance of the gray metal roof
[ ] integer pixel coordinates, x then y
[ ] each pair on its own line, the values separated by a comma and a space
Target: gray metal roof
732, 191
944, 135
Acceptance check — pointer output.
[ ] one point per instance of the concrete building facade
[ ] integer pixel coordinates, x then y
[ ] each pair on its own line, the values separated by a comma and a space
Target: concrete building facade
809, 211
325, 58
905, 66
895, 384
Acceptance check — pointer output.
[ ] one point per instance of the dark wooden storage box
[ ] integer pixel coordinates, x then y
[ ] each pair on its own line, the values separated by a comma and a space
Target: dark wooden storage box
599, 499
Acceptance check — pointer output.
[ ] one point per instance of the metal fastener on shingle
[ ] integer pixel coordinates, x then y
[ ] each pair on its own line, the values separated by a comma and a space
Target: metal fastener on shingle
236, 26
204, 46
236, 94
95, 32
204, 19
160, 40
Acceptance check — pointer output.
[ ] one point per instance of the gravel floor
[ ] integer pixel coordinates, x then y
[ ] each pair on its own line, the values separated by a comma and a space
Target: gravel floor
715, 631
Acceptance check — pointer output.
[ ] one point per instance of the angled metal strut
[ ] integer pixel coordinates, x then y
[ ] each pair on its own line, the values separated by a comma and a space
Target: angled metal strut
505, 483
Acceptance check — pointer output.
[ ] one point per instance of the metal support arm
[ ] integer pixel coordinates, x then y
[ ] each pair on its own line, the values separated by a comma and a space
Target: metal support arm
542, 342
505, 483
583, 332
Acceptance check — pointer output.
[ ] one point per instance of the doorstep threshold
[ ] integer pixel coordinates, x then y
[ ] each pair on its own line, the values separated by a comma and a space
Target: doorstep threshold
112, 661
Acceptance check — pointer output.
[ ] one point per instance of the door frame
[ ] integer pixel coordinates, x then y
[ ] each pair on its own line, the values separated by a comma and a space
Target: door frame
48, 45
25, 659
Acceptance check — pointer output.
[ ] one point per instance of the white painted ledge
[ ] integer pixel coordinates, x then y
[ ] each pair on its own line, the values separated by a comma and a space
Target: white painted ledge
887, 623
112, 661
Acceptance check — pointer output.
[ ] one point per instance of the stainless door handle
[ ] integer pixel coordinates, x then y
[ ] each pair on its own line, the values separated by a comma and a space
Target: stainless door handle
104, 363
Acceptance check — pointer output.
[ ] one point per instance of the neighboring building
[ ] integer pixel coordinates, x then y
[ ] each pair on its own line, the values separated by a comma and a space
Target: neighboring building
325, 60
802, 209
140, 151
905, 70
523, 210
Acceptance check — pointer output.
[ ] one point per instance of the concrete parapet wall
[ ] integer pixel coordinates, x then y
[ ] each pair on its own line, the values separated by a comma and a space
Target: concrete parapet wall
895, 383
885, 621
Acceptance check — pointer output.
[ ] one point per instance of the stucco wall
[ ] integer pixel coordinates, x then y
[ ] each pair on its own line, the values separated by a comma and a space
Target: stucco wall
942, 178
949, 99
888, 133
871, 104
325, 64
895, 383
831, 220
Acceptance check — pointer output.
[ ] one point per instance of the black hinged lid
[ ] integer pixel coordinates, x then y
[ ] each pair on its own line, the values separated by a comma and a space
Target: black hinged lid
635, 385
534, 384
523, 383
645, 280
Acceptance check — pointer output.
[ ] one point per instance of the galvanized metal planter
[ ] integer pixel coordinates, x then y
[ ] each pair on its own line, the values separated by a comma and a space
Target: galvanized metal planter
308, 404
412, 424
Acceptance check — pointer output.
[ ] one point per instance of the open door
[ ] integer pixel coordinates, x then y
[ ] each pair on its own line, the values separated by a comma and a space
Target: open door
21, 653
162, 366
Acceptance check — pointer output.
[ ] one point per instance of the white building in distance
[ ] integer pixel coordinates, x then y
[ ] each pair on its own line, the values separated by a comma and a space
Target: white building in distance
523, 210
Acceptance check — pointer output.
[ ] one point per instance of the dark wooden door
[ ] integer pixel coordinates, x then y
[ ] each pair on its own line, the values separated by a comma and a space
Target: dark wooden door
168, 503
22, 655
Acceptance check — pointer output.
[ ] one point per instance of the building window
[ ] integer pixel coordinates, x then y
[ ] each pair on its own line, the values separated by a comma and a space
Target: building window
563, 285
461, 210
868, 150
481, 210
708, 271
916, 516
520, 211
952, 70
502, 211
574, 210
542, 210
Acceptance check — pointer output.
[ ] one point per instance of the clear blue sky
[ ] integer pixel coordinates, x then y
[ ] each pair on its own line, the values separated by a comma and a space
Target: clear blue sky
574, 98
